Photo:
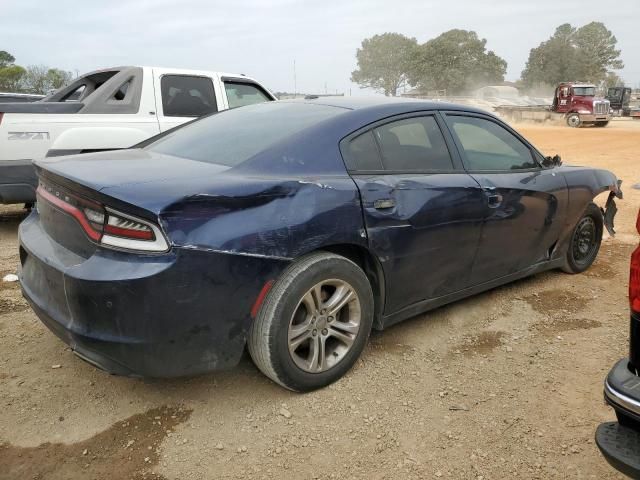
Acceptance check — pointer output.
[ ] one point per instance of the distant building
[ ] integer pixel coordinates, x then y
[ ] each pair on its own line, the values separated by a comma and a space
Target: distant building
497, 91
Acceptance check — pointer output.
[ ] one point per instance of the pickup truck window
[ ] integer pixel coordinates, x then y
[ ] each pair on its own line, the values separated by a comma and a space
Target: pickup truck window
187, 96
241, 94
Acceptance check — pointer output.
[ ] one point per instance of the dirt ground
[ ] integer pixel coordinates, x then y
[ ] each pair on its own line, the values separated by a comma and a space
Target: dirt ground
507, 384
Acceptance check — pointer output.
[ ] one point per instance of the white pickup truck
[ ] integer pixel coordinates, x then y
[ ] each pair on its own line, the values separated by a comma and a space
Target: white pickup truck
107, 110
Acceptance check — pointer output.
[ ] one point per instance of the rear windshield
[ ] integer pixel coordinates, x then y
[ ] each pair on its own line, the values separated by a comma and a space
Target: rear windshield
231, 137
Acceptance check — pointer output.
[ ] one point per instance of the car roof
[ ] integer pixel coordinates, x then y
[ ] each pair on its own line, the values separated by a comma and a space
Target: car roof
373, 103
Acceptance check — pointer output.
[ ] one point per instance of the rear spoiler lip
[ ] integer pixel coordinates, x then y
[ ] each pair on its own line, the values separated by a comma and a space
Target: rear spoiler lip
94, 194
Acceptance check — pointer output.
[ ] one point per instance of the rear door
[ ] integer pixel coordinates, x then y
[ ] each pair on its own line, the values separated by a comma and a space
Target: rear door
181, 97
423, 212
525, 205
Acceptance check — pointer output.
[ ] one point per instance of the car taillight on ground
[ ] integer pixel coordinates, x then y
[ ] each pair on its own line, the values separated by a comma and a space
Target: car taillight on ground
105, 225
634, 276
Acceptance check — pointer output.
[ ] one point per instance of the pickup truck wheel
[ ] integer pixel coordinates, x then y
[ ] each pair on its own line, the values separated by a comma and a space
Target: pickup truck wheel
314, 322
585, 241
573, 120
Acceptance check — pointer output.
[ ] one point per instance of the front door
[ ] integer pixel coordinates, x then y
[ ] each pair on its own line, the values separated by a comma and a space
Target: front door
525, 204
422, 212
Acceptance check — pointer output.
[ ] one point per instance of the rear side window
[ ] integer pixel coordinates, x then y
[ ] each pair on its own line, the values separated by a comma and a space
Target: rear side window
413, 144
241, 94
234, 136
488, 146
363, 153
187, 96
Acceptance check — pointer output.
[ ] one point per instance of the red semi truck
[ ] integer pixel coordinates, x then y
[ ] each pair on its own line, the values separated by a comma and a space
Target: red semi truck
575, 103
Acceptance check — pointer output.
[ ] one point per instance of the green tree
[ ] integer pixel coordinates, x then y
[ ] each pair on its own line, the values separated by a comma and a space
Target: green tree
597, 53
383, 62
456, 61
41, 79
11, 78
6, 59
587, 54
10, 74
58, 78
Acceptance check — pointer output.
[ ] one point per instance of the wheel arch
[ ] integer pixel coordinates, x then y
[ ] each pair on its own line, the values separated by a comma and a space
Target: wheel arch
372, 268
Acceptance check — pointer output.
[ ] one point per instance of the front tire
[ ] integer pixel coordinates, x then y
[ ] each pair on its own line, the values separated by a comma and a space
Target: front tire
314, 322
585, 241
574, 120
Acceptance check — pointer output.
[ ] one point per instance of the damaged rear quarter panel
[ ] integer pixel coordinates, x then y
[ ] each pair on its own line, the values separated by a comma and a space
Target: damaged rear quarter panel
282, 218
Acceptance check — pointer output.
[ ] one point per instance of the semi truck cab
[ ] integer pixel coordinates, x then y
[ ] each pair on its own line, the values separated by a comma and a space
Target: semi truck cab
578, 102
620, 99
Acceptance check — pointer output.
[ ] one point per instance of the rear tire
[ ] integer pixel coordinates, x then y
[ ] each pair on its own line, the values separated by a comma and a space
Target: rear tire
585, 241
574, 120
314, 322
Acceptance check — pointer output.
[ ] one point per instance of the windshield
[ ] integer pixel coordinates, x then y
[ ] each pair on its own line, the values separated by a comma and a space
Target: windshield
584, 91
231, 137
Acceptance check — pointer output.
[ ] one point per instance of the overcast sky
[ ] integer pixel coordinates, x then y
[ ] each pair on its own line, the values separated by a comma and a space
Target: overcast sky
262, 39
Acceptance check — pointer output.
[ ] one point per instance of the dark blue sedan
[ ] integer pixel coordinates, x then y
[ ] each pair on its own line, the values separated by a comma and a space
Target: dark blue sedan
294, 228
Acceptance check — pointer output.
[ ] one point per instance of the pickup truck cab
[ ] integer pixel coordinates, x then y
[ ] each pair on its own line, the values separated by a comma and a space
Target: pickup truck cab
109, 109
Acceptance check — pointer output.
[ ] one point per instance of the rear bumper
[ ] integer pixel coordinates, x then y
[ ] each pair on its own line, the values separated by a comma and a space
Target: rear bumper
620, 442
180, 313
18, 181
622, 390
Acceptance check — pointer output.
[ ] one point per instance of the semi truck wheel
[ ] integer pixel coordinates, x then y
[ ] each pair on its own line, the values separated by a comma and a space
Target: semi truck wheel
573, 120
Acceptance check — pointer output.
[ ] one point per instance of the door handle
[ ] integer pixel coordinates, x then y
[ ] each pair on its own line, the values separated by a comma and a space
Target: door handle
494, 200
384, 203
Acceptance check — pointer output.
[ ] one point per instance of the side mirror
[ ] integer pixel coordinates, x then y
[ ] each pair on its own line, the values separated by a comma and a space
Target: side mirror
550, 162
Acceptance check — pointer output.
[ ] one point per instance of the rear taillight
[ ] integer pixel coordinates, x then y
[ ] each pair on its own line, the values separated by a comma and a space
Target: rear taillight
634, 276
125, 231
105, 225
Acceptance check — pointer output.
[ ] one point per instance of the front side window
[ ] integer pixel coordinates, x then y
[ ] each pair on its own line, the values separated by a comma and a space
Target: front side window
413, 144
488, 146
241, 94
187, 96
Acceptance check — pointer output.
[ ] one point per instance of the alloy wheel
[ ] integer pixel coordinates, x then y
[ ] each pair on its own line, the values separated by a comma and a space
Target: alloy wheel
324, 325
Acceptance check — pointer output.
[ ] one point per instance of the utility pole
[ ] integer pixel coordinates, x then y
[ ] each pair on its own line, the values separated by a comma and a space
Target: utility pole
295, 80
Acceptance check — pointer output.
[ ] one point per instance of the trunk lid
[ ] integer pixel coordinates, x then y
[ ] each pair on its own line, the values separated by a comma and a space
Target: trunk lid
135, 177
